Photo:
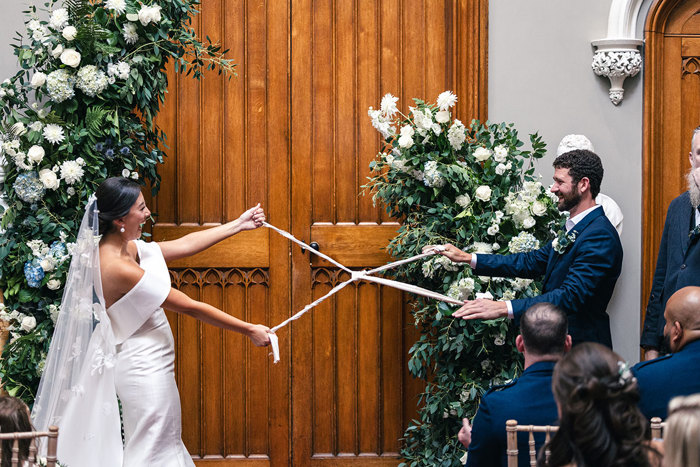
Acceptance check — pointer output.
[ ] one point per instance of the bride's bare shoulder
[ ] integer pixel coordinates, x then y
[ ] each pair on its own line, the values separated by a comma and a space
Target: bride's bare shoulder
118, 273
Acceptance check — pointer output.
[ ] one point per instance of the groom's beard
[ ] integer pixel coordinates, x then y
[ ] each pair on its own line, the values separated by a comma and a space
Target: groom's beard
568, 202
693, 189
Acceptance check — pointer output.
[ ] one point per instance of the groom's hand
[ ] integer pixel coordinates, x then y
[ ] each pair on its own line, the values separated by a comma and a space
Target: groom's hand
452, 252
482, 308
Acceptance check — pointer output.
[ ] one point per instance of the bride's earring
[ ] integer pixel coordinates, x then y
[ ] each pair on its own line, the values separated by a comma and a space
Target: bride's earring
121, 230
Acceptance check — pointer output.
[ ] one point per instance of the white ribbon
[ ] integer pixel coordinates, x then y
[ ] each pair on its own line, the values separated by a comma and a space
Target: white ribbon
355, 276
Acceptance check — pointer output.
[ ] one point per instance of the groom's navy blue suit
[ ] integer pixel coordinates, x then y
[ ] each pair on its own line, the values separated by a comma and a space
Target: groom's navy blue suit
580, 281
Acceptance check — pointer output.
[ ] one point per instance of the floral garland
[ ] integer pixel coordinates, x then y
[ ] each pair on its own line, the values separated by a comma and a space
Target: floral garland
473, 186
80, 109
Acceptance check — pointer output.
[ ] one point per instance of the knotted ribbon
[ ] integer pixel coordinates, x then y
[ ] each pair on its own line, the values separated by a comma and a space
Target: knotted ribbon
355, 276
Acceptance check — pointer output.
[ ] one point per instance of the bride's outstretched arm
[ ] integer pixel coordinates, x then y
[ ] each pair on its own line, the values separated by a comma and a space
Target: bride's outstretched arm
180, 303
198, 241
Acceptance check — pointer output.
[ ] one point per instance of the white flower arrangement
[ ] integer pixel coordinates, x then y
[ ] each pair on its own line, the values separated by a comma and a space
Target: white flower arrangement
71, 172
53, 133
60, 85
91, 81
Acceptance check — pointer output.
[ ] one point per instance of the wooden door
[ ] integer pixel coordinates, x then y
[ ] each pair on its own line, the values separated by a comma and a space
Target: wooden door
292, 132
671, 112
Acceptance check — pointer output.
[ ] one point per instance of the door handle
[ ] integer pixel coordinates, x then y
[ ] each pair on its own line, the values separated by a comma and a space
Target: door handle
313, 245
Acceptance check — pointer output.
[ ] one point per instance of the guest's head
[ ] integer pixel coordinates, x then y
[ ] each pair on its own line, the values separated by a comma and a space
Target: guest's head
122, 206
14, 417
599, 422
577, 177
682, 432
693, 176
682, 315
543, 333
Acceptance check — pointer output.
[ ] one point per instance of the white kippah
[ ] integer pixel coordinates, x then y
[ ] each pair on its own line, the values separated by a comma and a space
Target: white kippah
571, 142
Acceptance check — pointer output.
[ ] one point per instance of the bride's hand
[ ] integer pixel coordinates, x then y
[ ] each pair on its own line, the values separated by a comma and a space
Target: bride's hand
252, 218
259, 335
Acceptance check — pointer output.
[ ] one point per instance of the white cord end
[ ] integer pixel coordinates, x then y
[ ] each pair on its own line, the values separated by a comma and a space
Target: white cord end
274, 343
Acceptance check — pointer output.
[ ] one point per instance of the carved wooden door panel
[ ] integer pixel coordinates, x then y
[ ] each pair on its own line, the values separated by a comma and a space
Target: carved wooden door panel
352, 398
291, 131
671, 112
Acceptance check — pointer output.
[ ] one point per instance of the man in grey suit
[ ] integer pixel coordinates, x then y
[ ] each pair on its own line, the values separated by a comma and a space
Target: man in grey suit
678, 264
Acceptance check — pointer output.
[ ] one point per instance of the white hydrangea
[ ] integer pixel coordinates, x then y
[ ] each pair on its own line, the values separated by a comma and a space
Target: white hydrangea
121, 70
417, 174
463, 200
71, 172
456, 135
91, 80
481, 247
60, 85
117, 6
523, 242
130, 34
432, 176
53, 133
59, 19
446, 100
38, 247
461, 289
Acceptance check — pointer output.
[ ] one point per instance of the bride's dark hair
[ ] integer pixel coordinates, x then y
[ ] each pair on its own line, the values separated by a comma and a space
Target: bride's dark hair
600, 424
115, 196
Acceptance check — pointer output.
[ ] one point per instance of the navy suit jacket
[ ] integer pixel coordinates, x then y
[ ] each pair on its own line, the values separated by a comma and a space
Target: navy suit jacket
677, 266
664, 378
580, 281
528, 400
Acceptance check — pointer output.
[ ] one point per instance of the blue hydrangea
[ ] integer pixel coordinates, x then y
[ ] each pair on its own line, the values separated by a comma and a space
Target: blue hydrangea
124, 151
28, 187
34, 273
58, 249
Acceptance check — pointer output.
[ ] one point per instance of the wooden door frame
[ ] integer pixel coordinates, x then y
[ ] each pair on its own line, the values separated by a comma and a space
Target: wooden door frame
653, 207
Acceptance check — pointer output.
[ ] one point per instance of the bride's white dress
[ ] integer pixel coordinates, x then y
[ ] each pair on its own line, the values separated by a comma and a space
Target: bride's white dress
144, 371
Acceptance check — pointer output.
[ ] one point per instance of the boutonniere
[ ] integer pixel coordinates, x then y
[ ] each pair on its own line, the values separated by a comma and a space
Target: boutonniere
563, 241
695, 232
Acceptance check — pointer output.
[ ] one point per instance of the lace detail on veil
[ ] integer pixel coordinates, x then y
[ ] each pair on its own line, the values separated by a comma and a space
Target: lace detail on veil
76, 391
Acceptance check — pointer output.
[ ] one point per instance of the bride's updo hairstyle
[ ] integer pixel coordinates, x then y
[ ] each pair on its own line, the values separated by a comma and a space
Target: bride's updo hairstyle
600, 424
115, 196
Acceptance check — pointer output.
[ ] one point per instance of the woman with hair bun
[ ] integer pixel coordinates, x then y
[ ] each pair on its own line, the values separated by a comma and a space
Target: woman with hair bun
112, 338
600, 424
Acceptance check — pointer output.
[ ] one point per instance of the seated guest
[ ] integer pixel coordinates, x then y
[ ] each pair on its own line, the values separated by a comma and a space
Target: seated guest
14, 417
543, 340
676, 374
682, 432
599, 422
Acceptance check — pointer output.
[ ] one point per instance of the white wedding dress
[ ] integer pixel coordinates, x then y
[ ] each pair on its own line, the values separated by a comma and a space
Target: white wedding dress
145, 369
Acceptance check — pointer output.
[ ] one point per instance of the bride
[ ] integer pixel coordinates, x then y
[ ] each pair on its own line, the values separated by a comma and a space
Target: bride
113, 340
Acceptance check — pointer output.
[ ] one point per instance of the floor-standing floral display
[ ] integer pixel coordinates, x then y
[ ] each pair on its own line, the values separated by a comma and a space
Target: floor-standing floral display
81, 109
473, 186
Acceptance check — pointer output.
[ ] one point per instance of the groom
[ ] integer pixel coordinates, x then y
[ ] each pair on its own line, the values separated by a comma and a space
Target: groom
580, 267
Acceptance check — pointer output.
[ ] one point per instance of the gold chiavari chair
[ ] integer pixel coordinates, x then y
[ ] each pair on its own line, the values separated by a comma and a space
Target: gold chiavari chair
512, 429
52, 442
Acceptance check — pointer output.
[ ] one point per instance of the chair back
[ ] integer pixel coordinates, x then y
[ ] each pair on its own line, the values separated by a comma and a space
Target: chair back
657, 427
32, 461
512, 429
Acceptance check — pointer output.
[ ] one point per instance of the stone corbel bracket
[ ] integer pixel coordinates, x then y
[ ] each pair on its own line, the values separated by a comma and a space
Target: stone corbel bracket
617, 56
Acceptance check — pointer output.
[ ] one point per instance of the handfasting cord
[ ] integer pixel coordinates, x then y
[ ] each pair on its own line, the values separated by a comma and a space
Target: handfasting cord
355, 276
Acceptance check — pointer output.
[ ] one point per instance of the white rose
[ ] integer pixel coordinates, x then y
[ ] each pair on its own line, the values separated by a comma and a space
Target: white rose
53, 284
126, 173
442, 116
483, 193
405, 141
69, 33
19, 129
49, 179
528, 222
500, 153
47, 264
493, 230
407, 130
28, 323
538, 208
482, 154
57, 51
486, 296
38, 79
71, 57
36, 153
149, 14
501, 169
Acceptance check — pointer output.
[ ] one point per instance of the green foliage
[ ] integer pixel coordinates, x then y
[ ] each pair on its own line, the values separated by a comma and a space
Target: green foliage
103, 125
473, 187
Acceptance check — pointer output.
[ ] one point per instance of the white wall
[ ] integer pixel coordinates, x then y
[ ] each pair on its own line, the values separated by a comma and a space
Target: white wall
11, 20
540, 78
